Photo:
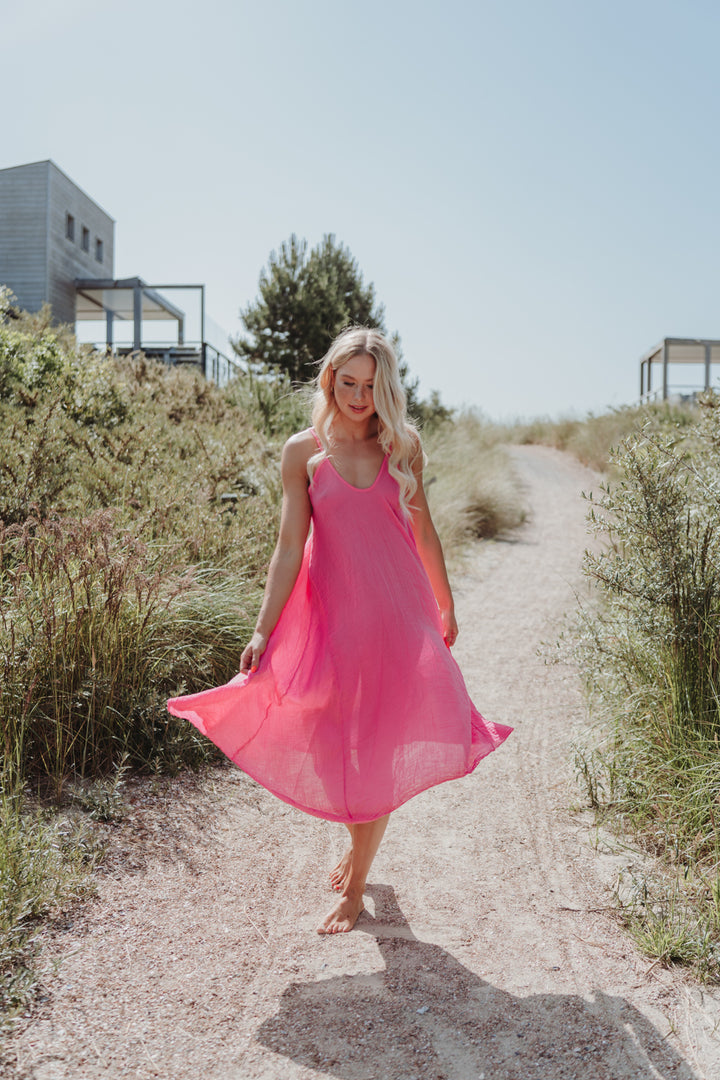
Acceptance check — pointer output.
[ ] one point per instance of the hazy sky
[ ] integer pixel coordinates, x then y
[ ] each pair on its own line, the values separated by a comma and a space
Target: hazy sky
531, 187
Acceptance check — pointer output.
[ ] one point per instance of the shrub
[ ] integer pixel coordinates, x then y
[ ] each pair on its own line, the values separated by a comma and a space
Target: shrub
652, 655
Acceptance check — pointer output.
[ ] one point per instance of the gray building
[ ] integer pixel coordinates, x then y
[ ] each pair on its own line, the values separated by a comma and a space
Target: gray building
57, 247
51, 233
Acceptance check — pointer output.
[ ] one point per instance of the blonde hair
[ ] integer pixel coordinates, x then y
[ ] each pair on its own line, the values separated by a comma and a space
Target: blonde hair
397, 436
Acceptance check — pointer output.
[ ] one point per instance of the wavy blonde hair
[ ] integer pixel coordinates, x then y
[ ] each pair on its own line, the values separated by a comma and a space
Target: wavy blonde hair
397, 436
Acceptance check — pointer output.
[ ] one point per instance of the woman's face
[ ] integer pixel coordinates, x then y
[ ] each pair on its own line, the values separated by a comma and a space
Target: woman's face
353, 388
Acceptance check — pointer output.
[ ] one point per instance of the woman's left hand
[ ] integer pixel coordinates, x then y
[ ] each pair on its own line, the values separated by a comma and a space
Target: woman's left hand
449, 625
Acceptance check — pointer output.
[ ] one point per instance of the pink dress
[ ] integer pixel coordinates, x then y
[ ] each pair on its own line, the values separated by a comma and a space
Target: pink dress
357, 704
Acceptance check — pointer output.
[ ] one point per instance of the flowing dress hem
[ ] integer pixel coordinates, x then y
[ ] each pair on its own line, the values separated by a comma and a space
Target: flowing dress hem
501, 730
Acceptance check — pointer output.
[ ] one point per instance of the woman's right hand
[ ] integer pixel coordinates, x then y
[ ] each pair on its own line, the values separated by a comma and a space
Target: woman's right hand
252, 652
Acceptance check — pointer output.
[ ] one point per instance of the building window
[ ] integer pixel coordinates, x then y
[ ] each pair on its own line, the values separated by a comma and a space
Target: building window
85, 239
98, 250
69, 227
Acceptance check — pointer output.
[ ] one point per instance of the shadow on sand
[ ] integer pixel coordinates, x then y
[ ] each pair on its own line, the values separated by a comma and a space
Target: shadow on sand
428, 1017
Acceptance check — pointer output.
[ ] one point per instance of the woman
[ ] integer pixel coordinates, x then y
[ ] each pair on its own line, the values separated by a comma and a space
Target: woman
348, 701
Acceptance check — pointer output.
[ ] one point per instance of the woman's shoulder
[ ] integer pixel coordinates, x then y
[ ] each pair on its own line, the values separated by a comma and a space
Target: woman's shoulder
300, 447
303, 440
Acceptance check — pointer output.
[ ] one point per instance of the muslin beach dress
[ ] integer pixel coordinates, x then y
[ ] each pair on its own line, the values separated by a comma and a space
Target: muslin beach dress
357, 704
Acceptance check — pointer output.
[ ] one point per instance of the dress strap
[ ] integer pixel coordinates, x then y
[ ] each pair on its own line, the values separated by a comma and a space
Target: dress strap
315, 437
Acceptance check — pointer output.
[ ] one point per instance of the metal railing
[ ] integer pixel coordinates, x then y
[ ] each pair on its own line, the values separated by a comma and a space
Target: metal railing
214, 364
218, 367
676, 392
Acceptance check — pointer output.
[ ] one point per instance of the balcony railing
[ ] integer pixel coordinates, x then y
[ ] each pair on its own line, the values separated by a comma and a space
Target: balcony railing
215, 365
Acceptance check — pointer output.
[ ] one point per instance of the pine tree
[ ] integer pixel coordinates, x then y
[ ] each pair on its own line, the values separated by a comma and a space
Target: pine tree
305, 300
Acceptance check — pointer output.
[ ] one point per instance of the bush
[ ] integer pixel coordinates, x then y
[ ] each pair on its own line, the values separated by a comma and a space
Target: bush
269, 397
652, 655
138, 511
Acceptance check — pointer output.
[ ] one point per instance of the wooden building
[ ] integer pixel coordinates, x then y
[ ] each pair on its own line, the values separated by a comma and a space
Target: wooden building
51, 233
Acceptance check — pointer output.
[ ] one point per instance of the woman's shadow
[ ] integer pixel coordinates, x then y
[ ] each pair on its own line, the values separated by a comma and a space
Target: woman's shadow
427, 1016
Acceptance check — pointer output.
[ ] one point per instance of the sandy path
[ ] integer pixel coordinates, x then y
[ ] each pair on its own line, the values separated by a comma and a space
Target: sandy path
487, 950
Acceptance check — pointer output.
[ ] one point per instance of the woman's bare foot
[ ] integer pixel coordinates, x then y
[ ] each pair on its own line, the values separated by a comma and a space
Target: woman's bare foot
343, 916
338, 876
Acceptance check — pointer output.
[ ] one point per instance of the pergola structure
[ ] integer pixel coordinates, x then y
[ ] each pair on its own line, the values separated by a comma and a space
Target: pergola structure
702, 352
131, 299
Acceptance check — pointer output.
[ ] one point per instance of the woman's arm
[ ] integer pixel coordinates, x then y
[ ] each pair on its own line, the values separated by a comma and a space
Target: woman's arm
287, 557
431, 554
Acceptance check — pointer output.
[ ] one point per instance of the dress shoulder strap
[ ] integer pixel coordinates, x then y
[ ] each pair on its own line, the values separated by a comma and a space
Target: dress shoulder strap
315, 437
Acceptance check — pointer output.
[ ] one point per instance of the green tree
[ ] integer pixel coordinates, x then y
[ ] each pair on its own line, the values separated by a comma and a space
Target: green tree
305, 299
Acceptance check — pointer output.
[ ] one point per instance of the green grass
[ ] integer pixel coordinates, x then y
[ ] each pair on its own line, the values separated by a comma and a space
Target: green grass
651, 654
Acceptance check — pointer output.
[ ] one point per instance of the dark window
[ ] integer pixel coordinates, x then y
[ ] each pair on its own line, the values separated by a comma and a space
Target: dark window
69, 227
85, 239
98, 250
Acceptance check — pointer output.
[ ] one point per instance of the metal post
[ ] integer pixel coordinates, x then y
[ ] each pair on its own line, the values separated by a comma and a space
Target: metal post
649, 385
109, 330
181, 331
665, 351
137, 318
708, 359
202, 329
642, 379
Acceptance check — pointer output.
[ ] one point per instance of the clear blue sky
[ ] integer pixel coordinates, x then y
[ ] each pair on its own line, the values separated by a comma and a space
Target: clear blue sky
532, 187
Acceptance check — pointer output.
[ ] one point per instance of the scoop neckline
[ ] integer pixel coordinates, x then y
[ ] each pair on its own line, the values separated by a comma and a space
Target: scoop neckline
353, 486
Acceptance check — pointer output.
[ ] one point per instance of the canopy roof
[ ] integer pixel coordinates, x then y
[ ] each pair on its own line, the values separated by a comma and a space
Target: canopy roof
684, 351
98, 296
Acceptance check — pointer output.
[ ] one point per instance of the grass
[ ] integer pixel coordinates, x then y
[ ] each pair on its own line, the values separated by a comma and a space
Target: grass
592, 439
651, 654
46, 863
473, 490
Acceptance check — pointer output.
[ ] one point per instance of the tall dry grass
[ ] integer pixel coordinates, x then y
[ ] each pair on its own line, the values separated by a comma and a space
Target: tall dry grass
592, 438
651, 653
473, 490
